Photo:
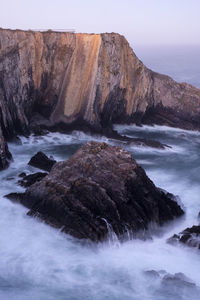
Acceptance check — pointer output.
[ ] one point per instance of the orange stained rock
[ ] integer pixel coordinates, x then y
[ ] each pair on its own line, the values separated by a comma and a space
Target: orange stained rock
79, 85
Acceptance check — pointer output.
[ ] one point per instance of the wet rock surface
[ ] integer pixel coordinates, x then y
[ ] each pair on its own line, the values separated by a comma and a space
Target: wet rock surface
190, 237
42, 161
30, 179
14, 197
100, 188
5, 155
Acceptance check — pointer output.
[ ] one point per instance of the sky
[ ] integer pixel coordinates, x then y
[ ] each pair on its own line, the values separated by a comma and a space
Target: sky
142, 22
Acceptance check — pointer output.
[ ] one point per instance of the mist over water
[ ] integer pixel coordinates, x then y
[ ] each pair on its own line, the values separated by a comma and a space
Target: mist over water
38, 262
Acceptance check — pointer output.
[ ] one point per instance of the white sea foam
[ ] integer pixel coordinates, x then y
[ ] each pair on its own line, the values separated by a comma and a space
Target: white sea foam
40, 262
155, 128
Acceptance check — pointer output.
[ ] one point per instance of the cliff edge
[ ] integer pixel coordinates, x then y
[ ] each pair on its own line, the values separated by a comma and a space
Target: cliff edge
85, 79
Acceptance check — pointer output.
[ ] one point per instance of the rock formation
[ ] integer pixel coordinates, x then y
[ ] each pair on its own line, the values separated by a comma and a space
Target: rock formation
189, 236
85, 79
100, 187
30, 179
41, 161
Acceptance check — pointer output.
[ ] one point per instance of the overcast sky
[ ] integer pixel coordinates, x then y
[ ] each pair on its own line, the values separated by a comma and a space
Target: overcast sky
143, 22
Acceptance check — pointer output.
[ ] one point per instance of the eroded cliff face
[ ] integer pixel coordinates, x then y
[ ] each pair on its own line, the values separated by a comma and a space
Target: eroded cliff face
93, 79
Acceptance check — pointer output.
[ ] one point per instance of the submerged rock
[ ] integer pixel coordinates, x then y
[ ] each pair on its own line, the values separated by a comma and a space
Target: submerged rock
176, 286
41, 161
190, 237
178, 279
99, 188
152, 274
167, 279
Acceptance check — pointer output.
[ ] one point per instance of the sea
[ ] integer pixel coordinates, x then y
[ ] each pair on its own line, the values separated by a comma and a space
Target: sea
38, 262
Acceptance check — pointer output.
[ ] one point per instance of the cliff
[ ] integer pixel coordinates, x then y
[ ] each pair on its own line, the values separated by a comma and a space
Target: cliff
91, 79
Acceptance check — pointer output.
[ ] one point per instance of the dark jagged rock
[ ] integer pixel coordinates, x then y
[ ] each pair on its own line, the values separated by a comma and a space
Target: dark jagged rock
22, 175
190, 237
41, 161
98, 188
16, 140
31, 179
15, 197
5, 155
110, 133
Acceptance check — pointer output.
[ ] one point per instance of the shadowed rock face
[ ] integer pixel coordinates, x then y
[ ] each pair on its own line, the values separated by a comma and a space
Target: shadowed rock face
5, 155
92, 79
41, 161
97, 186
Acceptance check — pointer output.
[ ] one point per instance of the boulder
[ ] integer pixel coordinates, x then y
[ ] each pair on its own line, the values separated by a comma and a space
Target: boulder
98, 190
189, 236
41, 161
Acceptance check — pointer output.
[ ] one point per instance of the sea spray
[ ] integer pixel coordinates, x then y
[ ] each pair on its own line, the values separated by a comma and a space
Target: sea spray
111, 236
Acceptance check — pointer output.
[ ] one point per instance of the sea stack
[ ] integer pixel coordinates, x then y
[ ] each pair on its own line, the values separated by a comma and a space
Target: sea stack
99, 189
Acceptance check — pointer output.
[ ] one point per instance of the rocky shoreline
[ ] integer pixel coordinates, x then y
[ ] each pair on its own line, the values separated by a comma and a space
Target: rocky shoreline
40, 89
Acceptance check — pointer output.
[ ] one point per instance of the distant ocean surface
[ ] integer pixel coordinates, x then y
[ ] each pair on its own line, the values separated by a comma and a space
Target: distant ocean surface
182, 63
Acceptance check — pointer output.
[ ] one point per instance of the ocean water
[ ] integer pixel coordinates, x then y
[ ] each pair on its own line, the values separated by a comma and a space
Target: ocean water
182, 63
38, 262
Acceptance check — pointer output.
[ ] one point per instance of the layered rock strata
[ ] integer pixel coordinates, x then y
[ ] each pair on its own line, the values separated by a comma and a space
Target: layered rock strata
98, 189
85, 79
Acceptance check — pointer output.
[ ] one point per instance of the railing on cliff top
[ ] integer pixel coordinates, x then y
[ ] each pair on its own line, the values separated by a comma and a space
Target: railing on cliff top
54, 30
